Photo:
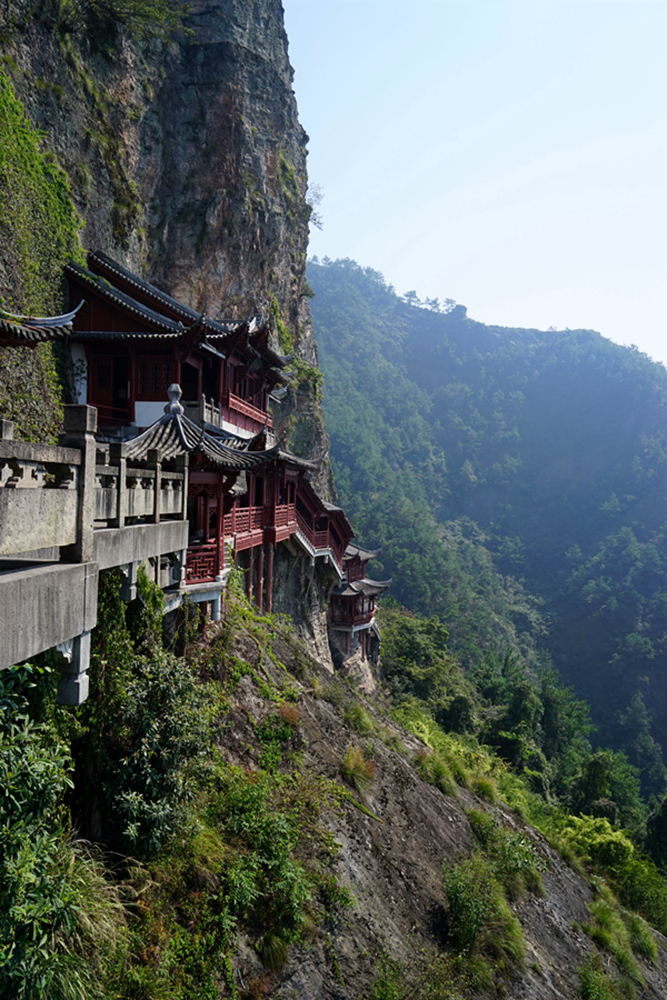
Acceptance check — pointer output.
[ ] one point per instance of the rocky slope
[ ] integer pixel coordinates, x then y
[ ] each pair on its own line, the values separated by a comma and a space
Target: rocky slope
393, 846
187, 163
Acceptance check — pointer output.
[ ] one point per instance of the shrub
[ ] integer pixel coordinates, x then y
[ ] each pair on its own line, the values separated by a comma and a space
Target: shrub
357, 770
479, 918
432, 768
485, 788
596, 983
58, 916
515, 860
358, 719
290, 714
609, 930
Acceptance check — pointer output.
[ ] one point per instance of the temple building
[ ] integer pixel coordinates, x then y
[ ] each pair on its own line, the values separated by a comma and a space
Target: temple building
190, 489
355, 633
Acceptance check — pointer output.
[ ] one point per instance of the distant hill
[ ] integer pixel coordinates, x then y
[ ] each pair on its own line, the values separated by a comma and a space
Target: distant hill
518, 480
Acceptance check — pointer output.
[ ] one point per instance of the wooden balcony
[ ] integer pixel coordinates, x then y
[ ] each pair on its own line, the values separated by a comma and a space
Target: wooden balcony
320, 539
245, 409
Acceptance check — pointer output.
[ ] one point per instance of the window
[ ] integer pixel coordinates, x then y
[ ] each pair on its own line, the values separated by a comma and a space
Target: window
154, 376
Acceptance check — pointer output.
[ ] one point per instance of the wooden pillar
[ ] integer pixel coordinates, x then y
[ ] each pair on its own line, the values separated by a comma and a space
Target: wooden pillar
260, 578
221, 380
133, 383
269, 577
220, 542
251, 570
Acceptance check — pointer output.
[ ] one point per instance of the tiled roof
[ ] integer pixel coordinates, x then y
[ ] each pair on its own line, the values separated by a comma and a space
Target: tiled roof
26, 330
353, 550
105, 264
157, 320
174, 434
367, 588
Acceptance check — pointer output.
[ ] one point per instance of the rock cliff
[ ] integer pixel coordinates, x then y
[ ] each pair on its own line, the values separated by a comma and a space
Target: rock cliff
188, 164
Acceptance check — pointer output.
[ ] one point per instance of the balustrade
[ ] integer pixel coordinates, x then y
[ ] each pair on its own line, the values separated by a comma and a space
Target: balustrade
39, 487
126, 491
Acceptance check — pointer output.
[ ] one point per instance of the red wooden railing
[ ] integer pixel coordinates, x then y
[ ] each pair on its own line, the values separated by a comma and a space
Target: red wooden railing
359, 618
285, 514
202, 563
246, 409
319, 539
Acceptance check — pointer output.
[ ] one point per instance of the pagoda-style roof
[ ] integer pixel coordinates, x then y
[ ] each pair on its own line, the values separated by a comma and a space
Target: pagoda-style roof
175, 434
147, 313
154, 323
365, 588
28, 331
354, 551
134, 286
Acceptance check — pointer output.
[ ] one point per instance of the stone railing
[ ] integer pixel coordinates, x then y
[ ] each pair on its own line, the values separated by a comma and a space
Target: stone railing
66, 512
39, 495
125, 492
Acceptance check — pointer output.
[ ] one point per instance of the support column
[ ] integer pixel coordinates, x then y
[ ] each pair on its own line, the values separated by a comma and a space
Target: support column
269, 577
251, 573
73, 683
260, 579
128, 590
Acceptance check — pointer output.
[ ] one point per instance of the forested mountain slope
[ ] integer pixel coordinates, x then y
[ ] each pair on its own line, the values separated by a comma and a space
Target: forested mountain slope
517, 480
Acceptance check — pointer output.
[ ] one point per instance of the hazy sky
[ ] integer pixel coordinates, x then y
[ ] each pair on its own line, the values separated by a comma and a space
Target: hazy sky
509, 155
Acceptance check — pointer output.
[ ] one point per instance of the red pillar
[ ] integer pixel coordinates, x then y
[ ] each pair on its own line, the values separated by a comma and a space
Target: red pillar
219, 547
269, 577
251, 569
260, 579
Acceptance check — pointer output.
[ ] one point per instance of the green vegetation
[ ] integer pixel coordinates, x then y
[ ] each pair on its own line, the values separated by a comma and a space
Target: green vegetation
357, 769
38, 234
142, 18
597, 983
195, 850
515, 479
500, 733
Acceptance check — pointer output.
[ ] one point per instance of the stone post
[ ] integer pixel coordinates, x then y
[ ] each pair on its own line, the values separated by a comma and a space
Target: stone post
80, 426
117, 456
155, 463
182, 466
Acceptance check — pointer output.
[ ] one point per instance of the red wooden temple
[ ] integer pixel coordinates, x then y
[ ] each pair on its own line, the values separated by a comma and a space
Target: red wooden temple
130, 343
353, 608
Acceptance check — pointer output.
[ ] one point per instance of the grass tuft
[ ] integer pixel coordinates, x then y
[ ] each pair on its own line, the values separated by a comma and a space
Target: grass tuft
357, 770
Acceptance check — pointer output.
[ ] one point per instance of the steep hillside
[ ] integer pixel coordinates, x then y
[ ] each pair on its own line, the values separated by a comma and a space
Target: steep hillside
263, 830
544, 452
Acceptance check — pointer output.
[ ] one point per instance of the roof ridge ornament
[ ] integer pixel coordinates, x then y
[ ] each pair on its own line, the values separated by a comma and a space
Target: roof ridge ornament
173, 407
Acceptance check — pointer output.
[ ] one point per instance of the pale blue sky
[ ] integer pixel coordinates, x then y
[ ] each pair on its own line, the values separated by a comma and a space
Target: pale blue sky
509, 155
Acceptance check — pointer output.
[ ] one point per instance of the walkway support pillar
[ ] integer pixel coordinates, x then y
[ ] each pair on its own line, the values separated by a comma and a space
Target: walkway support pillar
269, 577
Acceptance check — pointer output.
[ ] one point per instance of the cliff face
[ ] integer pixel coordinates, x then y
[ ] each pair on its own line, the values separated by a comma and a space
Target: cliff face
188, 164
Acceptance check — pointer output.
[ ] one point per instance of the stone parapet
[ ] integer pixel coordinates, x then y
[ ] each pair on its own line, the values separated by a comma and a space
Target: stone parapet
119, 546
44, 606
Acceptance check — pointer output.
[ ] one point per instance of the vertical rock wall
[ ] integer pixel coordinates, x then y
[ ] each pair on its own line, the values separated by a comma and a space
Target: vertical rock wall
187, 163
